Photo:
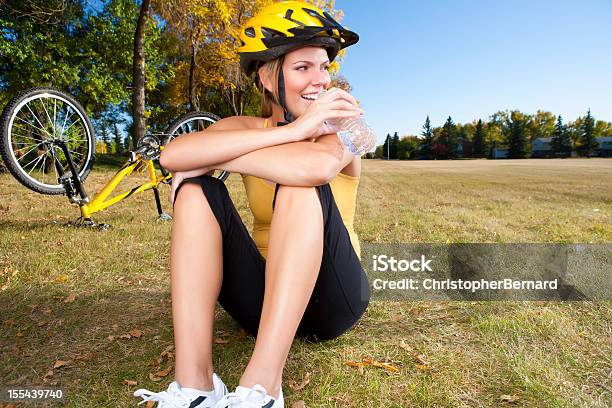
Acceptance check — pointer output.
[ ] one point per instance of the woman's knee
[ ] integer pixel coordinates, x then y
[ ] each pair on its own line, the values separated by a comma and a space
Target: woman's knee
188, 196
300, 194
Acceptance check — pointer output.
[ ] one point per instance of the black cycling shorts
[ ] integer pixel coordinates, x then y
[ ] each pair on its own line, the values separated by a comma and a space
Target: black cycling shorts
341, 293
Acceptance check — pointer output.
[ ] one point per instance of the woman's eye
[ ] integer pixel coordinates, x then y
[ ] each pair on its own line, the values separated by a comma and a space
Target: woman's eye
326, 67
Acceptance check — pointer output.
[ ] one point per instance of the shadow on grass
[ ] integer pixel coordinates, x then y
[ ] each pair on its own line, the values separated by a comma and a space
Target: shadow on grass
105, 337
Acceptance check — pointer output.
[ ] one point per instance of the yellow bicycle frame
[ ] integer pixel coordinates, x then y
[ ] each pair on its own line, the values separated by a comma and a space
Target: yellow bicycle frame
100, 202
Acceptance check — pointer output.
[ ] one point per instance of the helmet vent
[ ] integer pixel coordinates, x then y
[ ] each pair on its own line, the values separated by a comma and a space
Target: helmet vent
270, 33
312, 13
250, 31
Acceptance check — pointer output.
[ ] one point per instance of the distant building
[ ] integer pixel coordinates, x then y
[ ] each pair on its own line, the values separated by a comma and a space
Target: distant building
499, 152
541, 147
605, 147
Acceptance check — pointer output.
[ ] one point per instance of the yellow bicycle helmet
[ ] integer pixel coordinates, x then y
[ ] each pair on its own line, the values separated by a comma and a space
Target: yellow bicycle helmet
284, 26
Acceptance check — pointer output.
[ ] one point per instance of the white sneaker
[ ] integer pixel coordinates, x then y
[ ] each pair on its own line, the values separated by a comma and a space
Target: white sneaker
179, 397
256, 397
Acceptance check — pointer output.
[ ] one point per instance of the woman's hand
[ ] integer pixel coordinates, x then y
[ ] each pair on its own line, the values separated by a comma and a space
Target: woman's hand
335, 103
179, 176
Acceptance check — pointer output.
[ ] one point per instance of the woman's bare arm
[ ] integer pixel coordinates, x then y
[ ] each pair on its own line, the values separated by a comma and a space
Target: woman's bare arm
222, 141
294, 164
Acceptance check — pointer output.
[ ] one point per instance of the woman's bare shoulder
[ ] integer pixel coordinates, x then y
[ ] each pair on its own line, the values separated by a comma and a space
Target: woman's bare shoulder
237, 122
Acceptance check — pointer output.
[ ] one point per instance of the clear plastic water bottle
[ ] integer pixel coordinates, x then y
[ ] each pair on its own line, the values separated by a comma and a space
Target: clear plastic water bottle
355, 133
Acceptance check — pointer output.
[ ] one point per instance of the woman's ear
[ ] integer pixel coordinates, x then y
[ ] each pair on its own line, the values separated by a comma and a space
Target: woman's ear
264, 78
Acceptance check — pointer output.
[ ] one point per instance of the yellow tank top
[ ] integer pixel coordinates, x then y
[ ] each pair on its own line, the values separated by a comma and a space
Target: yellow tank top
261, 194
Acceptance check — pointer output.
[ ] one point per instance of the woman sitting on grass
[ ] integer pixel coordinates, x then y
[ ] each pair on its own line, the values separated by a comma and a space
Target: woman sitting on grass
300, 272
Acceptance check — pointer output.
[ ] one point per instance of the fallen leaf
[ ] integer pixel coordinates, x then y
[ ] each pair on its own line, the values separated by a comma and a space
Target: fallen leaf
70, 298
298, 386
130, 382
405, 345
49, 374
421, 359
163, 373
136, 333
386, 366
61, 278
422, 367
220, 341
111, 338
509, 398
62, 363
154, 378
366, 362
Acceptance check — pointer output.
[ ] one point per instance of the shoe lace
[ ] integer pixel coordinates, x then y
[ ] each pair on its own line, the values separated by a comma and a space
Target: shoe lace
254, 399
172, 398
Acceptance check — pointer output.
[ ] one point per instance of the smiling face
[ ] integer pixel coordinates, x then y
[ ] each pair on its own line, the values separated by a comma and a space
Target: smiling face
305, 73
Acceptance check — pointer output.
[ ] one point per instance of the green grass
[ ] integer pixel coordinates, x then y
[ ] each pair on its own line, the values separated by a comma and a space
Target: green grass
544, 353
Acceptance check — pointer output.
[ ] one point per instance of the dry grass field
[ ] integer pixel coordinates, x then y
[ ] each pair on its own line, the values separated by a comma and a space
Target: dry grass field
90, 310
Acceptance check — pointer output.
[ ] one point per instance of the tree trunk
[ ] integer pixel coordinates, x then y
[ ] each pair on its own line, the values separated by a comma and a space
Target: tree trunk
138, 75
193, 100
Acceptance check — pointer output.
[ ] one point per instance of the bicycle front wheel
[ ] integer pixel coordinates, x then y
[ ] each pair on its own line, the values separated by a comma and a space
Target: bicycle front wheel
188, 123
32, 124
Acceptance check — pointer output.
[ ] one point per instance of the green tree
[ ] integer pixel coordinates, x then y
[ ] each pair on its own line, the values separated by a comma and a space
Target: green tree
542, 124
428, 139
448, 138
479, 147
407, 147
378, 153
561, 144
517, 138
394, 146
386, 153
587, 137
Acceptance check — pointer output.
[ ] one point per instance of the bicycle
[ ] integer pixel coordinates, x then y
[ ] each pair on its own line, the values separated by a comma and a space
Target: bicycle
48, 144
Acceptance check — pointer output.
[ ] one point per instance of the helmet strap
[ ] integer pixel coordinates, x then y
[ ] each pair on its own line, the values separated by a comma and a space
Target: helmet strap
281, 95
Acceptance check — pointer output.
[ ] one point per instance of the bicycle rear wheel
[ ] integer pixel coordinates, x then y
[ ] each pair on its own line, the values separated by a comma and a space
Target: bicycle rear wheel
32, 124
188, 123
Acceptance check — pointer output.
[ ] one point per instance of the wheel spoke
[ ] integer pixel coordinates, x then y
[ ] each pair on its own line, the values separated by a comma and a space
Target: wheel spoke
36, 117
28, 123
26, 153
47, 113
66, 117
34, 166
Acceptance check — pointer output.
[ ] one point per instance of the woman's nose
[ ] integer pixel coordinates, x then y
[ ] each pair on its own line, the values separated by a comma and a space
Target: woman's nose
321, 78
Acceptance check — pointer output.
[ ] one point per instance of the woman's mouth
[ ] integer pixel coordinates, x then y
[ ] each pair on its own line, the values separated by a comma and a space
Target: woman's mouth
310, 97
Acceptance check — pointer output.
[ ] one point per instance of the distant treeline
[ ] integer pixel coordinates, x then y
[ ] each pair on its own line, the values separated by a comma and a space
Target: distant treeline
512, 131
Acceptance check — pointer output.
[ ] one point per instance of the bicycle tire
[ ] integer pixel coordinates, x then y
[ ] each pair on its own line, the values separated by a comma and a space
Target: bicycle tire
9, 127
187, 123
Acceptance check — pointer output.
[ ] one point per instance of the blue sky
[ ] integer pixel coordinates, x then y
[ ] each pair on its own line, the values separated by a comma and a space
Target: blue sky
469, 59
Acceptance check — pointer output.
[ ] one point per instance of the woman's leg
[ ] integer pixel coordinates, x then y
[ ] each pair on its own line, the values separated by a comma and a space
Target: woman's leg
295, 250
196, 273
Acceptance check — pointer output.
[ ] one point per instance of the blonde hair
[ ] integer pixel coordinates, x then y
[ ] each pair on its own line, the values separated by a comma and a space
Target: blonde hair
271, 69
